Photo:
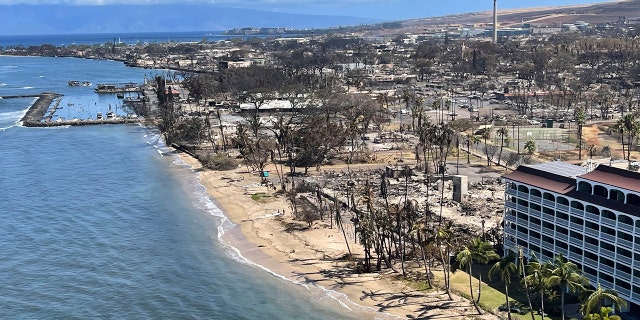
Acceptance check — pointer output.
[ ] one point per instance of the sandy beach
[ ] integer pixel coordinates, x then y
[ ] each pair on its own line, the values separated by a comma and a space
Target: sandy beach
311, 256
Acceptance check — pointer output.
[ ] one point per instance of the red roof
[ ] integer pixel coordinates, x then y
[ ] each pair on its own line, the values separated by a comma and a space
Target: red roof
615, 177
542, 182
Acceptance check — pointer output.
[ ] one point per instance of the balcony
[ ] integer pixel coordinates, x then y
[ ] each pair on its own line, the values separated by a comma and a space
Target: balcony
521, 235
590, 262
563, 251
522, 208
576, 243
625, 227
608, 222
562, 222
576, 227
577, 212
606, 269
607, 237
624, 293
590, 247
625, 243
547, 246
510, 217
591, 217
607, 253
510, 191
534, 199
522, 195
623, 276
535, 213
547, 232
547, 217
510, 204
548, 203
591, 232
626, 260
562, 207
606, 284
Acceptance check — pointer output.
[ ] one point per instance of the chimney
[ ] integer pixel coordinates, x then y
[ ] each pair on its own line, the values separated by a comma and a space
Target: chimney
495, 22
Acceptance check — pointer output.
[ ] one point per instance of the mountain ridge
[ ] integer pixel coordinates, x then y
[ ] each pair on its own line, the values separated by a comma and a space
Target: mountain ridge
63, 19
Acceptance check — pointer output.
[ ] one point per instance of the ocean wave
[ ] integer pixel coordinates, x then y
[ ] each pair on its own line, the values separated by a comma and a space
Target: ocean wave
27, 87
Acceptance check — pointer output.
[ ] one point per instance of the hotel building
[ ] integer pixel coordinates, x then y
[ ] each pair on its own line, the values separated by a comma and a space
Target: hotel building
590, 217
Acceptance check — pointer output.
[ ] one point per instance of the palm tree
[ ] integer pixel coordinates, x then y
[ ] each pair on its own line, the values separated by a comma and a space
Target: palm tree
471, 138
505, 268
503, 133
595, 300
530, 146
567, 276
537, 274
477, 251
443, 242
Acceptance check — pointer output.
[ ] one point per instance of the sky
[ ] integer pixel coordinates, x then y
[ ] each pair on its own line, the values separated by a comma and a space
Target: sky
384, 10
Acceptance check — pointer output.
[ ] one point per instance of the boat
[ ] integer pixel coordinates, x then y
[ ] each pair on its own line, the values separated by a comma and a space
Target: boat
120, 95
99, 116
78, 83
116, 87
111, 115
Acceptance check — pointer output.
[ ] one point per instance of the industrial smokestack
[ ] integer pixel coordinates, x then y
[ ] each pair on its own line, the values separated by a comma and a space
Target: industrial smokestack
495, 22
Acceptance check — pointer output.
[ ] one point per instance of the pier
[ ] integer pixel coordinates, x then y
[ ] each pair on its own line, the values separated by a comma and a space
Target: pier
35, 116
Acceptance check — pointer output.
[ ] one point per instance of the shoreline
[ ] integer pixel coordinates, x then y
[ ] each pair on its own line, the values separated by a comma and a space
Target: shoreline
311, 257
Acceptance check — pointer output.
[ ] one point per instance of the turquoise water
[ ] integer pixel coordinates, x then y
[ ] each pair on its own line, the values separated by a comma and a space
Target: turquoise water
103, 222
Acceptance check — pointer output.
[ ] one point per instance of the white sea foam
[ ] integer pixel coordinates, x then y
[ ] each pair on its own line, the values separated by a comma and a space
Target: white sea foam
27, 87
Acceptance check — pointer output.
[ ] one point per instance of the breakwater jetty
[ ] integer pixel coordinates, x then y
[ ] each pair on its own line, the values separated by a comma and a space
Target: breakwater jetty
37, 115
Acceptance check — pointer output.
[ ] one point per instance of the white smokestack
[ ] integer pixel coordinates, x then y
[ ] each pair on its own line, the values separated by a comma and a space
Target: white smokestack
495, 22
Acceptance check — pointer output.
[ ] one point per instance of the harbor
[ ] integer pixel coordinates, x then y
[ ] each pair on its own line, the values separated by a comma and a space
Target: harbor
42, 111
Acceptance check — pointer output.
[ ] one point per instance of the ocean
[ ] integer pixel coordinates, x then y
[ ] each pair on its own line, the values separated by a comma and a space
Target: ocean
126, 38
104, 222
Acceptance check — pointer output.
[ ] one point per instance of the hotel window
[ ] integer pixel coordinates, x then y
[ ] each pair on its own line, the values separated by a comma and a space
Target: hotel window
637, 241
624, 284
616, 195
584, 187
623, 268
534, 220
600, 191
535, 207
548, 240
534, 248
592, 256
523, 243
549, 196
590, 240
522, 216
523, 202
562, 200
624, 252
547, 225
636, 290
633, 199
623, 218
593, 210
562, 245
589, 270
576, 220
625, 236
562, 215
577, 205
607, 246
534, 234
523, 189
607, 230
562, 230
536, 193
606, 277
576, 235
608, 214
575, 250
592, 225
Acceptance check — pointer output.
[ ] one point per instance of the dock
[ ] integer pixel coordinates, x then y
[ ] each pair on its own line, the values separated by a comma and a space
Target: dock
36, 115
